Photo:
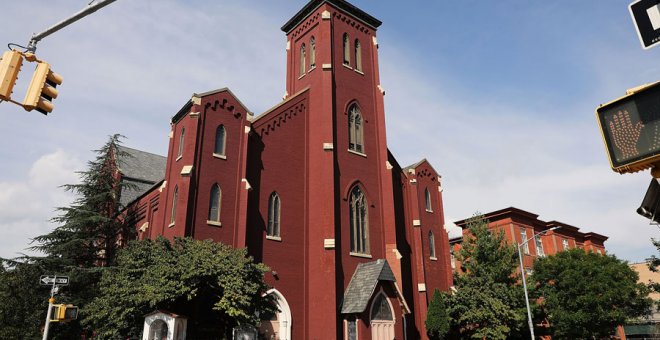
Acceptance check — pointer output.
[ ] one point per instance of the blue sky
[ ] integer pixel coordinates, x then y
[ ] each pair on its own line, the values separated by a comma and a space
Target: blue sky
498, 96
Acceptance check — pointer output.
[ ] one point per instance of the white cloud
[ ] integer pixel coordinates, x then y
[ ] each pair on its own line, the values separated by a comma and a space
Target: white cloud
27, 204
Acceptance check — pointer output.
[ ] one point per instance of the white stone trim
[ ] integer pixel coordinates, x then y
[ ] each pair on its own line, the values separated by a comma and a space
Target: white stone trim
325, 15
388, 165
214, 223
367, 256
413, 181
171, 134
144, 227
162, 186
329, 243
440, 188
411, 171
186, 170
397, 254
284, 314
421, 287
326, 67
417, 223
381, 89
288, 45
194, 114
375, 41
217, 155
328, 146
247, 184
248, 129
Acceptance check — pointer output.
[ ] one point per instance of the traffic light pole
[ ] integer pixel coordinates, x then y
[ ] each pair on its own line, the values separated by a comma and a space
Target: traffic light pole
53, 290
91, 8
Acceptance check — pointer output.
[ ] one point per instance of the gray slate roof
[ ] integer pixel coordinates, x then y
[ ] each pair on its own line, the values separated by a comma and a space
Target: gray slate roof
363, 283
139, 169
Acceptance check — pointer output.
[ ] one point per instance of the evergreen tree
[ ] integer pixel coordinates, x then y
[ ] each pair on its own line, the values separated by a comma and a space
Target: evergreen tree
80, 247
437, 317
488, 303
586, 295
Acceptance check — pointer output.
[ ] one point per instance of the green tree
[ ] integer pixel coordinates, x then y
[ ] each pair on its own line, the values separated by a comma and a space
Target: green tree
213, 284
586, 295
437, 317
85, 241
488, 303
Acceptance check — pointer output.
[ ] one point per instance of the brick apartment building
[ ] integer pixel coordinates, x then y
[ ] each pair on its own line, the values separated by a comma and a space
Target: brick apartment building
519, 225
355, 242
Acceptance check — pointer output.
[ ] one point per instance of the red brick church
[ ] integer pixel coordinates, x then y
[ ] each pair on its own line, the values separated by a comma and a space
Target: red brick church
355, 242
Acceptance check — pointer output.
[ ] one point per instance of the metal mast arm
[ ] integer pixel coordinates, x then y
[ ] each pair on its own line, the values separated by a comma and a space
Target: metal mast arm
91, 8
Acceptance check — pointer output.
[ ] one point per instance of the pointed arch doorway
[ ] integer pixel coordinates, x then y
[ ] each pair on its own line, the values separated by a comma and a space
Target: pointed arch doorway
278, 326
382, 318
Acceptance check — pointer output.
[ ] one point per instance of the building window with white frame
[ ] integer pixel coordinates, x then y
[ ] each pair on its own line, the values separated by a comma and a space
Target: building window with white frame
347, 50
273, 227
175, 197
358, 56
539, 245
355, 129
564, 243
303, 60
359, 222
312, 53
427, 196
220, 141
181, 139
432, 246
214, 204
523, 238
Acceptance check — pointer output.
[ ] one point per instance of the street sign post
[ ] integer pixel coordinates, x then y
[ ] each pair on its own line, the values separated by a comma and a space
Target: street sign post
646, 16
57, 280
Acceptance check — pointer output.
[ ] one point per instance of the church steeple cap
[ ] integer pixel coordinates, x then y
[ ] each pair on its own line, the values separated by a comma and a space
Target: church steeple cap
339, 4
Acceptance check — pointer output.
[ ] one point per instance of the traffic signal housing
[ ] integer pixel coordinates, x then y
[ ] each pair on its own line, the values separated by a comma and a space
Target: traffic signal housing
630, 127
62, 313
42, 89
10, 65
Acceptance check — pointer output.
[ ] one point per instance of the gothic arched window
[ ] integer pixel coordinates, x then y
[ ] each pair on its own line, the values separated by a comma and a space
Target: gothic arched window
355, 134
431, 245
359, 222
181, 139
380, 309
358, 56
175, 197
214, 203
273, 228
347, 50
303, 58
427, 196
312, 53
220, 141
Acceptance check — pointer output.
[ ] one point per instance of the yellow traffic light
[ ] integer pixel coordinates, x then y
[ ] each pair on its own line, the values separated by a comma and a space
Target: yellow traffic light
63, 313
42, 90
10, 65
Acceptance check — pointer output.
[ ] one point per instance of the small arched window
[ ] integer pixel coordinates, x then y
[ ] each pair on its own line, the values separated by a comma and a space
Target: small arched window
358, 56
220, 141
431, 245
347, 50
181, 139
355, 134
381, 310
303, 58
359, 222
273, 228
427, 196
175, 197
312, 53
214, 203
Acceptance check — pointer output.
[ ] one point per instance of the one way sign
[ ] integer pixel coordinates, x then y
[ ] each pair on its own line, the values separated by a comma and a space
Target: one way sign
58, 280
